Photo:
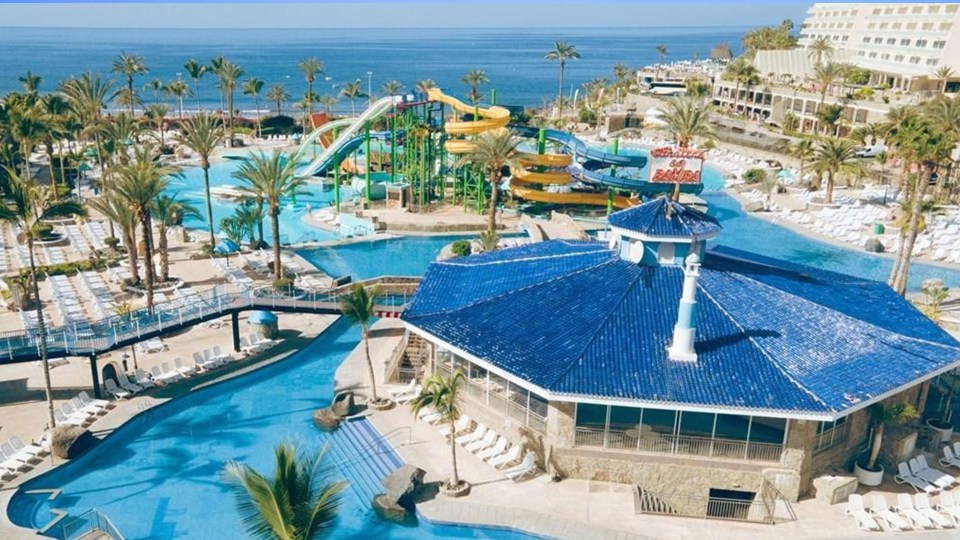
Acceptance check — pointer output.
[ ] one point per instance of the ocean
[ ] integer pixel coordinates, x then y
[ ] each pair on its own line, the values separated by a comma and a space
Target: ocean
512, 59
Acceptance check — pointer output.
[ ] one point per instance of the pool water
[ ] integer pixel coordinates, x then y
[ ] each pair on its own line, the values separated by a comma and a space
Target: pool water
406, 256
159, 476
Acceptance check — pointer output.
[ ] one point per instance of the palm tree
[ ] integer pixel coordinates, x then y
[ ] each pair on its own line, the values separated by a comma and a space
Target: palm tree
130, 65
825, 75
492, 151
622, 73
358, 306
157, 86
30, 81
392, 87
168, 211
820, 49
202, 133
271, 177
327, 101
310, 67
442, 394
561, 52
686, 118
178, 89
943, 74
29, 204
742, 71
298, 503
88, 95
836, 156
157, 113
475, 78
880, 416
425, 84
196, 71
138, 184
803, 150
278, 95
661, 55
118, 212
252, 87
228, 73
352, 91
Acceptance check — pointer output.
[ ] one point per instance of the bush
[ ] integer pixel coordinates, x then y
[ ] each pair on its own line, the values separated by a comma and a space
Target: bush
42, 230
754, 176
111, 242
283, 284
279, 125
62, 439
461, 248
70, 268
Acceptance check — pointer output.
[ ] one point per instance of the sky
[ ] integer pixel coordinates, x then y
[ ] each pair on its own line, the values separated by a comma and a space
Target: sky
400, 14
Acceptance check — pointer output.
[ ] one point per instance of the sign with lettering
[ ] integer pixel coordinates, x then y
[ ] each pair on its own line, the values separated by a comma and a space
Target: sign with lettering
670, 165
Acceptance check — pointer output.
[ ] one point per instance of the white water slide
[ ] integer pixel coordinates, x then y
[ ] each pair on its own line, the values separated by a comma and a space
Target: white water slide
378, 108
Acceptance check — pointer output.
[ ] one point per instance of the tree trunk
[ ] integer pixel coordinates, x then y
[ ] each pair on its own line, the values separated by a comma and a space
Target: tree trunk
275, 232
180, 108
164, 255
309, 97
48, 149
900, 286
455, 477
147, 257
829, 198
736, 96
366, 349
196, 83
560, 94
130, 96
230, 115
875, 447
63, 174
260, 223
42, 333
130, 240
494, 196
206, 190
256, 103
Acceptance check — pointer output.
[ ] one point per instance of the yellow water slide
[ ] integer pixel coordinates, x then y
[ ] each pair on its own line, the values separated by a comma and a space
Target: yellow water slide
491, 118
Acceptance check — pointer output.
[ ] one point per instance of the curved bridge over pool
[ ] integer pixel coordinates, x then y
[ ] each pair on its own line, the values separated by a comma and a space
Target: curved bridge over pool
96, 338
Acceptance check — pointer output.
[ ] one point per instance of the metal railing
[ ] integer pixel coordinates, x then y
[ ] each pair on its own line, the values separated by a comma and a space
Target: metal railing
713, 448
831, 437
376, 447
109, 333
89, 522
769, 506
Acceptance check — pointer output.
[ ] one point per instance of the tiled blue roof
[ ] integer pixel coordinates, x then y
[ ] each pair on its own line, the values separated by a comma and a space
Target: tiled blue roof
651, 218
575, 319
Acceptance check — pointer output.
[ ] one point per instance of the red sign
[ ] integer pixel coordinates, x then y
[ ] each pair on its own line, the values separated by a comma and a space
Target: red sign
676, 165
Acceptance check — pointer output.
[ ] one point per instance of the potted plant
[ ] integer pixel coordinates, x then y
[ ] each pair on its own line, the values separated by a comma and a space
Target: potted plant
869, 472
943, 426
443, 395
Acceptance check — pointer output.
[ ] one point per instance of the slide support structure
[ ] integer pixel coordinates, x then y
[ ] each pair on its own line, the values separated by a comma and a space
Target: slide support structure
369, 160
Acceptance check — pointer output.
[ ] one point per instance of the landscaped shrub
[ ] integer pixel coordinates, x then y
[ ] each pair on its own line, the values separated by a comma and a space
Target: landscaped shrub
461, 248
111, 242
283, 284
754, 176
62, 438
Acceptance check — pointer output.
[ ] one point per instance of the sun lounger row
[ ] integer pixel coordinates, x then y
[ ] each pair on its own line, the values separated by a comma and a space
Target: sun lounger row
256, 264
81, 410
254, 343
5, 265
233, 274
97, 233
55, 255
67, 301
917, 473
119, 274
909, 513
16, 456
78, 240
93, 285
313, 282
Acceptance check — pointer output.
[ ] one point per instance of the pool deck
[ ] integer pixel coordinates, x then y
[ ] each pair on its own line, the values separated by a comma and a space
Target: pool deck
569, 509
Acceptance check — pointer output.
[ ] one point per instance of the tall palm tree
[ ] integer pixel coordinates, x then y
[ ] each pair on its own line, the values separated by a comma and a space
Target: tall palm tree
392, 87
803, 150
196, 71
157, 114
820, 49
138, 184
310, 67
27, 205
178, 89
202, 133
130, 65
686, 118
825, 75
55, 111
157, 86
271, 177
661, 56
352, 91
425, 84
110, 206
229, 73
88, 95
561, 52
358, 306
742, 71
622, 72
442, 394
298, 503
328, 101
836, 156
169, 211
943, 74
278, 95
252, 87
475, 78
492, 151
30, 81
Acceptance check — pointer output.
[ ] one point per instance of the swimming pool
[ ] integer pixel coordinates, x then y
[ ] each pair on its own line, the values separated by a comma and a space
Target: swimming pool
158, 476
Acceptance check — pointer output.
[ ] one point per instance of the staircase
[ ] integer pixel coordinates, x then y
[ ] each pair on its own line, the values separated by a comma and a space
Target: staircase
364, 457
415, 356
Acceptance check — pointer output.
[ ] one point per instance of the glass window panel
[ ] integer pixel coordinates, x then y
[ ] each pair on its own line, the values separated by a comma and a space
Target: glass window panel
538, 406
696, 424
768, 430
591, 416
658, 421
624, 418
732, 426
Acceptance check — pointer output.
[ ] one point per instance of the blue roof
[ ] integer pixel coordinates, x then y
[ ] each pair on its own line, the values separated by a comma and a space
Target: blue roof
651, 219
576, 320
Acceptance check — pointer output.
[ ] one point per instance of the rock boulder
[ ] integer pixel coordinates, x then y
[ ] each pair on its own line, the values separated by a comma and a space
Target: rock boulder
397, 504
873, 245
325, 419
343, 405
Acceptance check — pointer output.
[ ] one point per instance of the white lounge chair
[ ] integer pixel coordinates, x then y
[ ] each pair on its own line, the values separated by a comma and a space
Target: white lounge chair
89, 410
127, 385
922, 504
249, 348
882, 511
71, 413
956, 448
917, 483
63, 420
170, 373
497, 449
462, 424
948, 505
478, 432
183, 370
487, 441
906, 509
219, 356
855, 508
20, 455
162, 377
526, 467
511, 456
202, 363
920, 468
10, 463
32, 449
143, 379
394, 392
406, 398
86, 399
261, 341
114, 390
949, 459
428, 415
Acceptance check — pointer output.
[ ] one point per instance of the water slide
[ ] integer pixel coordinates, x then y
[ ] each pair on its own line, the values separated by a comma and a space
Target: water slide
349, 136
320, 132
490, 118
531, 174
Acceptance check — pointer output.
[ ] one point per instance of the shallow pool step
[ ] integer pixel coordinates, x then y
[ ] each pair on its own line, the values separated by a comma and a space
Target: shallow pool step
363, 458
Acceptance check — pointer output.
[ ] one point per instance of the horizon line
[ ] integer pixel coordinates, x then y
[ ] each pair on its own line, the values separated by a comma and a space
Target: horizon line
6, 27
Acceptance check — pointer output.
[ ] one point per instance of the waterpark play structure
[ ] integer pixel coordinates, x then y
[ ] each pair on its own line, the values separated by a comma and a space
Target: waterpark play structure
425, 148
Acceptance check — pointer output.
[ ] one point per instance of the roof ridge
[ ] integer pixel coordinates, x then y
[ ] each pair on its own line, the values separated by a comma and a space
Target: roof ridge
601, 247
599, 327
762, 350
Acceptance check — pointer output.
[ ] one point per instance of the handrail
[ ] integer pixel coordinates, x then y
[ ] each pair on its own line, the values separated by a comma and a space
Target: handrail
397, 355
87, 522
363, 453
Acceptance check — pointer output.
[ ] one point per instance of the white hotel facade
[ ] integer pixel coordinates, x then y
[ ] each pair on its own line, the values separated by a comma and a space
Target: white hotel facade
902, 44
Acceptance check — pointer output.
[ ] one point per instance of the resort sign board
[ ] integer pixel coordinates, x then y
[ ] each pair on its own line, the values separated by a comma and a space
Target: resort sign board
671, 165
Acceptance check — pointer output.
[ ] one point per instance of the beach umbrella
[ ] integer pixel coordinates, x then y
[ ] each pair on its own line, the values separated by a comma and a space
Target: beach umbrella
226, 246
90, 152
84, 167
